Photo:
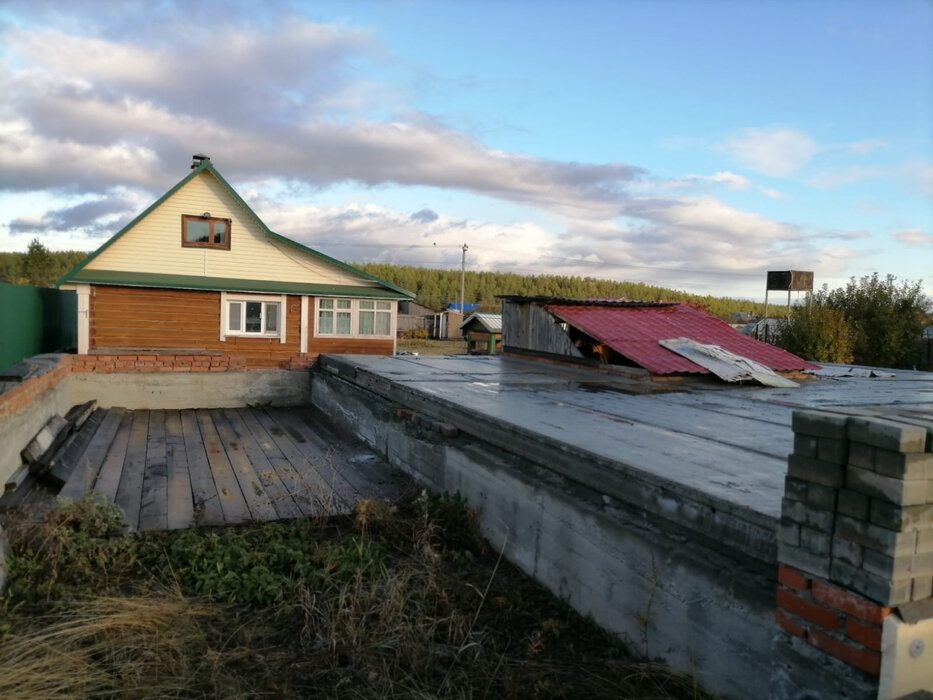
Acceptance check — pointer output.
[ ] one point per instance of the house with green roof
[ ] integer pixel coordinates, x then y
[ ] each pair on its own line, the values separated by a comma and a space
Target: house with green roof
199, 273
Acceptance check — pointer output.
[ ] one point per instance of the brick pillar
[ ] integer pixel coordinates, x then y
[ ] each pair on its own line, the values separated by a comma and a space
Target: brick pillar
855, 559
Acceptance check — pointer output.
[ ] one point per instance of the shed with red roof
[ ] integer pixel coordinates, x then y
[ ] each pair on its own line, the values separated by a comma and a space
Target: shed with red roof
627, 333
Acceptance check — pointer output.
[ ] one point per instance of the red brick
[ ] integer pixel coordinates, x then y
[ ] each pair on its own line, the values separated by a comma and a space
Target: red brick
793, 578
849, 602
865, 659
126, 358
869, 635
146, 358
807, 609
789, 625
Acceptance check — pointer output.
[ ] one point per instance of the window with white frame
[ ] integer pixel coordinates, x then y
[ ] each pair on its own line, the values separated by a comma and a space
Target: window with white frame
359, 318
254, 316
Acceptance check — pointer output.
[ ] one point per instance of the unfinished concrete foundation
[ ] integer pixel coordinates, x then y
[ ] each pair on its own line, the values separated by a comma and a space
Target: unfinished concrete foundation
659, 514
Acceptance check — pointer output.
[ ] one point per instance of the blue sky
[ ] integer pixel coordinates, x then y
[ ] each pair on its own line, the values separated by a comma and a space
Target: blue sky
687, 144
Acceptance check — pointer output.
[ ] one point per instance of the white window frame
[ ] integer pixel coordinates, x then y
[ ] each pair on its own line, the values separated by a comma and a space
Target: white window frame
355, 318
226, 299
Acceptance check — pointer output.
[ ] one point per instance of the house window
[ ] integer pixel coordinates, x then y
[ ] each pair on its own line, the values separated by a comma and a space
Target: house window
255, 316
205, 231
366, 318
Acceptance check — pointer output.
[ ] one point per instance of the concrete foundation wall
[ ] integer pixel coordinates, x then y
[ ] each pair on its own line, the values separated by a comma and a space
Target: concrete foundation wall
277, 387
664, 590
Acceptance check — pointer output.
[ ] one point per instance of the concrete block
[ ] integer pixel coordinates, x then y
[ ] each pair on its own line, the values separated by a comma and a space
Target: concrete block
789, 533
808, 562
820, 424
921, 588
804, 514
825, 473
822, 497
886, 567
908, 493
853, 504
881, 590
861, 455
815, 541
847, 551
874, 537
887, 434
894, 517
832, 450
924, 541
805, 445
906, 659
915, 465
795, 489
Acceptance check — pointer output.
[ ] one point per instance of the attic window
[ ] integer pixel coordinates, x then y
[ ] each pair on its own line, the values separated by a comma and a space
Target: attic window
205, 231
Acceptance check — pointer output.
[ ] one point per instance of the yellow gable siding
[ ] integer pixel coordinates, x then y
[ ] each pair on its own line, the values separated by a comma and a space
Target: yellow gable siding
154, 245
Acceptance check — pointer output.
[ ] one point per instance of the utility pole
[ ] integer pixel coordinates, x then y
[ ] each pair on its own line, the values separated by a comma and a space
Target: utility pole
462, 279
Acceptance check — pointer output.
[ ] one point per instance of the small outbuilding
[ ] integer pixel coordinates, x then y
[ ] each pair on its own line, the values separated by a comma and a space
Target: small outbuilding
663, 338
483, 333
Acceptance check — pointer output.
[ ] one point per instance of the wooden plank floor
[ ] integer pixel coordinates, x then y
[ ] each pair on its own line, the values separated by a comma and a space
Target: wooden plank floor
171, 470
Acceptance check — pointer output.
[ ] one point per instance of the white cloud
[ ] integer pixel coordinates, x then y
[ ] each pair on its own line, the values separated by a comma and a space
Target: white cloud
777, 151
913, 236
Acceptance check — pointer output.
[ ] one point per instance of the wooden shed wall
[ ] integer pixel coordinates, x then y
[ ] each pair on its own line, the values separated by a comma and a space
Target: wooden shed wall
528, 326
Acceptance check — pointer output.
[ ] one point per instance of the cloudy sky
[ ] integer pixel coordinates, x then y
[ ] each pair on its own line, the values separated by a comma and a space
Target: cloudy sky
688, 144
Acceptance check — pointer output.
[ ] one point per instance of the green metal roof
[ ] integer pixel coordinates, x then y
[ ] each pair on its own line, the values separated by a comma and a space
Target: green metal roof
226, 284
206, 166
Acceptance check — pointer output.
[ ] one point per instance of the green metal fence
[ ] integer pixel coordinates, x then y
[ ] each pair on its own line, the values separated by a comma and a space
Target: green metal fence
34, 320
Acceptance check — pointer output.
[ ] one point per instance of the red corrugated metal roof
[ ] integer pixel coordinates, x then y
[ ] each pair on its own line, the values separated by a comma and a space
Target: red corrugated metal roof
634, 332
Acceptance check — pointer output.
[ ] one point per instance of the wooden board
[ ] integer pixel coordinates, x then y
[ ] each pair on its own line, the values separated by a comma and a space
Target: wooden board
108, 478
272, 483
130, 489
231, 498
328, 458
257, 500
316, 489
85, 475
154, 498
179, 512
287, 472
207, 509
370, 475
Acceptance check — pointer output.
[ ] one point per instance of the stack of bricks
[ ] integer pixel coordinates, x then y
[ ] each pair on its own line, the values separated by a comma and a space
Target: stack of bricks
856, 531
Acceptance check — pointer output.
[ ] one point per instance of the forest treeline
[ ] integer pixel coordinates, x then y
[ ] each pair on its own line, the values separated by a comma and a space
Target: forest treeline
435, 288
38, 266
438, 288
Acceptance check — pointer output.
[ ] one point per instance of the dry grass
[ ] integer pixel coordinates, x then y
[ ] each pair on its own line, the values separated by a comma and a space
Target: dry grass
427, 346
397, 600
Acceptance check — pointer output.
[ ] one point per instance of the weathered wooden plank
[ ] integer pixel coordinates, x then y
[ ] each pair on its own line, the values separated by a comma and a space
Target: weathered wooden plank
282, 500
153, 507
87, 467
231, 498
257, 500
207, 509
68, 458
129, 492
108, 478
45, 443
327, 458
78, 414
17, 479
287, 472
180, 504
370, 475
316, 489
